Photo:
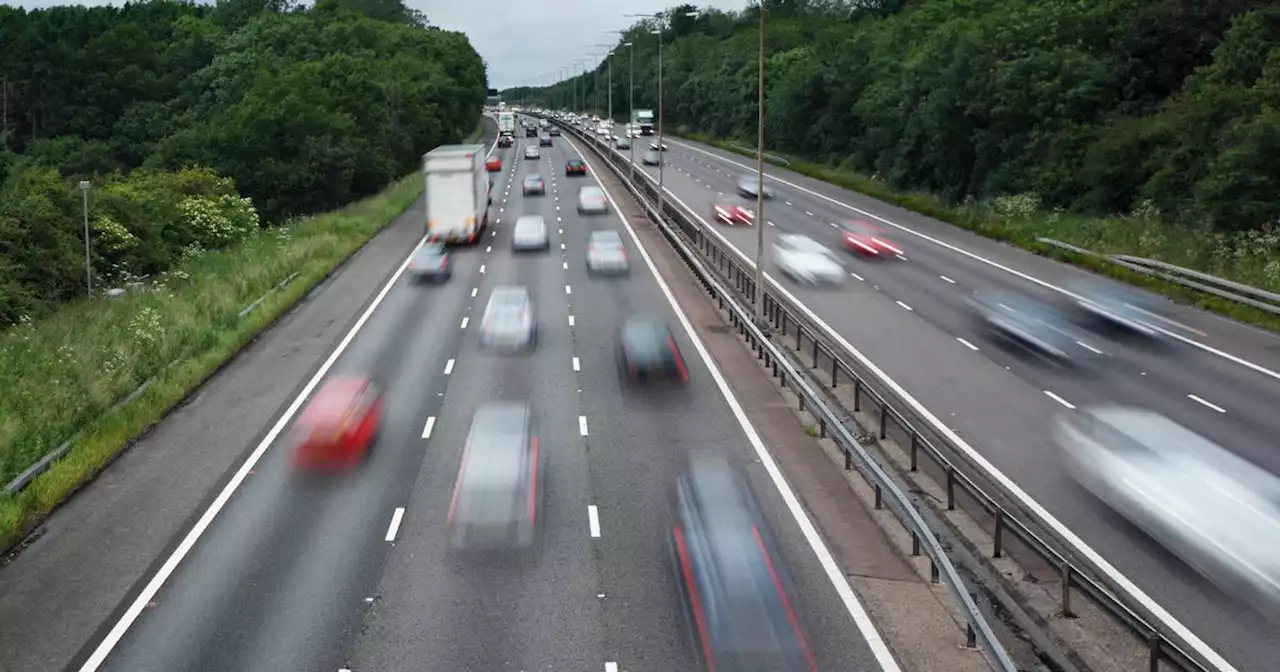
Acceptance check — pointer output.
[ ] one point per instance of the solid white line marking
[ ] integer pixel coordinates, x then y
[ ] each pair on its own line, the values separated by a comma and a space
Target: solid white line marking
568, 289
448, 367
967, 343
474, 290
431, 423
1191, 639
571, 320
482, 268
576, 366
862, 620
947, 279
1036, 508
903, 305
593, 520
465, 320
395, 523
152, 587
1198, 400
582, 425
1060, 400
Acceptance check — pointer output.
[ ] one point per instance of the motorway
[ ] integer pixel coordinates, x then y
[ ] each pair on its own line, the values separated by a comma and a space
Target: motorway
909, 317
350, 573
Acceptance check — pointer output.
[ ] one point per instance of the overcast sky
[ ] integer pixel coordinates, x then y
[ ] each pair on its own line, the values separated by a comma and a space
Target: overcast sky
522, 41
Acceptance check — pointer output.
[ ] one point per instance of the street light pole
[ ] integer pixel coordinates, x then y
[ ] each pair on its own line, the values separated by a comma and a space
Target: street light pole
88, 267
631, 107
760, 221
662, 160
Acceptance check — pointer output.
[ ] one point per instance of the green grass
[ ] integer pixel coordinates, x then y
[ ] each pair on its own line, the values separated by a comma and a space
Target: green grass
61, 374
1252, 258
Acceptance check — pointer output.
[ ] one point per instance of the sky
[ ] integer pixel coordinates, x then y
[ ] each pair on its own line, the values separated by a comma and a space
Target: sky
524, 42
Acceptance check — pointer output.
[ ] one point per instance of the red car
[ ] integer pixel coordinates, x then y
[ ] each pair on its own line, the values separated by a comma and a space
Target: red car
734, 214
866, 239
338, 427
493, 164
575, 167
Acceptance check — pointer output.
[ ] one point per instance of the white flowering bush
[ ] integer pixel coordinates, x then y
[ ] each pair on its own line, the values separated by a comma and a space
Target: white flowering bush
1016, 205
219, 221
112, 236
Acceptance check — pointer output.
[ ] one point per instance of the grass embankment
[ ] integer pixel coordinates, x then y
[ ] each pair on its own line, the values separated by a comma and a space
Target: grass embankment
1252, 258
62, 374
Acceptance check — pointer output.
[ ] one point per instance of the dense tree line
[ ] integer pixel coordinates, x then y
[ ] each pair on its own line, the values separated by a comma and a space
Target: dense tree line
174, 111
1169, 107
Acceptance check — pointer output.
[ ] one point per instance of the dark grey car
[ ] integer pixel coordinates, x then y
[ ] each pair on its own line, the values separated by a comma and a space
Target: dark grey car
748, 184
509, 322
497, 496
1030, 324
530, 233
431, 263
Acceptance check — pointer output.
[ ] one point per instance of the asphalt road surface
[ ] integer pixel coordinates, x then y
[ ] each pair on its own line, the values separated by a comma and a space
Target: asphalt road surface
351, 574
909, 316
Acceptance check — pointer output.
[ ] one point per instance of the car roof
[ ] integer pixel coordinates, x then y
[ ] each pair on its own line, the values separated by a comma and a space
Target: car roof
495, 444
603, 236
532, 177
530, 220
509, 294
335, 399
591, 189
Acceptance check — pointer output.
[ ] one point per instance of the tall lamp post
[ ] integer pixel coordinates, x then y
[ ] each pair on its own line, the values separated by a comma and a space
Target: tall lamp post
631, 105
88, 267
758, 296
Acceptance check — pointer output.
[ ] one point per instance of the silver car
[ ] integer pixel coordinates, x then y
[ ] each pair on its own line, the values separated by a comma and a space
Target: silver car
623, 142
431, 263
530, 233
509, 321
497, 496
606, 254
532, 152
1217, 511
592, 201
804, 260
651, 158
534, 184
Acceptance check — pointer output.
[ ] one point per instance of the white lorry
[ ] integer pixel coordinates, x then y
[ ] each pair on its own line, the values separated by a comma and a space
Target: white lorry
643, 120
507, 123
457, 193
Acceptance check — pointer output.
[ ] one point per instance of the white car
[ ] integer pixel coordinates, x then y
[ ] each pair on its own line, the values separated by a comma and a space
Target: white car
804, 260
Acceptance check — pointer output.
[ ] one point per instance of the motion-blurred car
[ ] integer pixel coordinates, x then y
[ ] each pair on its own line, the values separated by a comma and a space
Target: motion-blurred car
431, 263
804, 260
545, 141
497, 496
868, 240
1029, 324
1118, 307
509, 321
1217, 511
339, 426
532, 152
592, 201
658, 147
575, 167
651, 158
623, 143
530, 234
505, 141
606, 255
734, 214
647, 351
530, 131
554, 132
534, 184
748, 187
739, 601
493, 164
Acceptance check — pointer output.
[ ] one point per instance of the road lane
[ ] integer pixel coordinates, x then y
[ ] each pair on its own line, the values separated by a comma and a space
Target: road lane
613, 601
998, 401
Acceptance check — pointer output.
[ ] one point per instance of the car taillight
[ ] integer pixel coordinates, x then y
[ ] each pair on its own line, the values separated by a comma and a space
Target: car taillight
443, 261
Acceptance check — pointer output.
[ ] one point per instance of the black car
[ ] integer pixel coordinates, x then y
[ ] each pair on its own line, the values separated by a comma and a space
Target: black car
748, 186
505, 141
647, 351
738, 598
544, 141
530, 131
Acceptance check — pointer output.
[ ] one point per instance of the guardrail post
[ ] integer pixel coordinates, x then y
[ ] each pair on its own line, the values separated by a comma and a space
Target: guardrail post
835, 371
997, 539
799, 337
879, 498
857, 395
822, 429
1153, 661
915, 451
970, 638
915, 544
815, 354
933, 571
1066, 590
848, 459
884, 419
951, 488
